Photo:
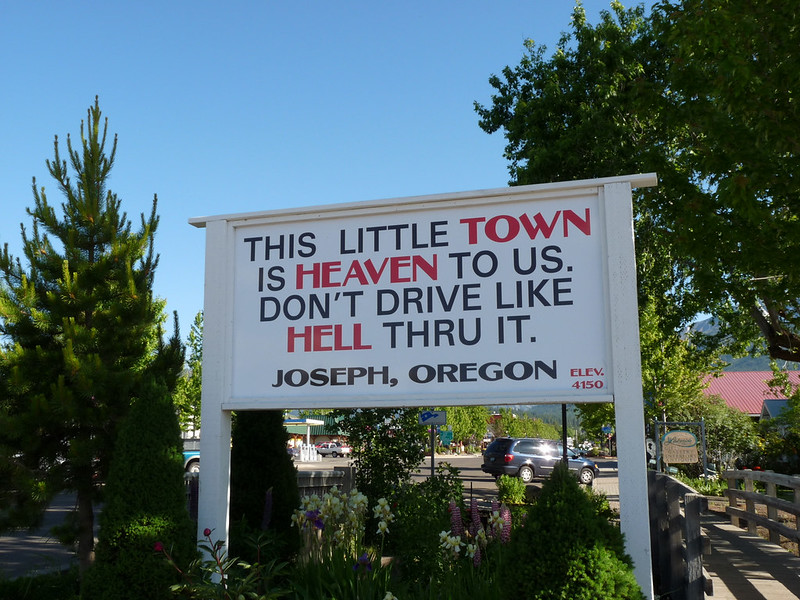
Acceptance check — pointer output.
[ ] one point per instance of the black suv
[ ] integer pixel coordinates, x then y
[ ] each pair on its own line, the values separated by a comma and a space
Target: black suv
527, 458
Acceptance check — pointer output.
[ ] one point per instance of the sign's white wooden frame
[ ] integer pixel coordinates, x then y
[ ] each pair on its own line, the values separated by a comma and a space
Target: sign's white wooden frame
624, 386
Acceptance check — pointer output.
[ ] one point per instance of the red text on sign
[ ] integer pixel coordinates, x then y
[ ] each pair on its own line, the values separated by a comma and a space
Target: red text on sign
395, 269
325, 338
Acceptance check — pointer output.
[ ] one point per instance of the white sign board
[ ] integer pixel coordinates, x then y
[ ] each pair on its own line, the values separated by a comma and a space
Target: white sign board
388, 303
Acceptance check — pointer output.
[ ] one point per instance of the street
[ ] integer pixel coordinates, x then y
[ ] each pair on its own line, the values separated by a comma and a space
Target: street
481, 485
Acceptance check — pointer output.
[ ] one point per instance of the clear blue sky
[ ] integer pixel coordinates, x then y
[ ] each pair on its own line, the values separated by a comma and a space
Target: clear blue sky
246, 106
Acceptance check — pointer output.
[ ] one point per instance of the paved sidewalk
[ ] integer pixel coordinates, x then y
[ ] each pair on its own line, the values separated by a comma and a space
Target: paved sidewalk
24, 553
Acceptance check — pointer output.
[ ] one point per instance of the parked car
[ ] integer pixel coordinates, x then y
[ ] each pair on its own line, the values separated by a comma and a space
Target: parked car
191, 455
191, 461
333, 449
527, 458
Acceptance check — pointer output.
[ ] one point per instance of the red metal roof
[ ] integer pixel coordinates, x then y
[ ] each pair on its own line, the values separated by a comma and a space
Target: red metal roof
746, 390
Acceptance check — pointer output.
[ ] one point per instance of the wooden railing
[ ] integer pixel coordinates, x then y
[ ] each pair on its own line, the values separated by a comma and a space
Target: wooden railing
675, 539
746, 491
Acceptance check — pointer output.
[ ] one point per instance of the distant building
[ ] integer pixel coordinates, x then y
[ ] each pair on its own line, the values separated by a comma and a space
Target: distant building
321, 428
749, 392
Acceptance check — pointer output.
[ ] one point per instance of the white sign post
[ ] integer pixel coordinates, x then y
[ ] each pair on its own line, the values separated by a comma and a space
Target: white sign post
506, 296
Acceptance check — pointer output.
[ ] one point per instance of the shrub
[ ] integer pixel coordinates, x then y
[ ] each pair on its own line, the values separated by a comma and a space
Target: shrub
568, 541
422, 511
145, 504
511, 490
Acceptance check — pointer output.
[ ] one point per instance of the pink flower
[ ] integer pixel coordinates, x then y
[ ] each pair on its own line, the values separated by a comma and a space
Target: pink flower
206, 532
158, 547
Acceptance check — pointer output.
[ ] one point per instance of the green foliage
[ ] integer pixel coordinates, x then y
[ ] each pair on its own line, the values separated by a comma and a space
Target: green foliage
733, 80
80, 330
264, 490
730, 433
388, 445
219, 576
342, 577
568, 548
145, 503
511, 490
705, 486
62, 585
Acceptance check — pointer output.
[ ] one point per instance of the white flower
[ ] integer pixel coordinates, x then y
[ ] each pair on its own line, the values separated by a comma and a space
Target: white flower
383, 528
389, 596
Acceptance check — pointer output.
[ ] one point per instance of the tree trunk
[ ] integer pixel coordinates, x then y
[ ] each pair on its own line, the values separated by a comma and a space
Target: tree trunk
85, 530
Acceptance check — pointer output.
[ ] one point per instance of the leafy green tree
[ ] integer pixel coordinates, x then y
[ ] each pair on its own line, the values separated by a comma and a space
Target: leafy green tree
188, 390
80, 330
702, 93
512, 425
388, 444
468, 423
730, 433
594, 109
731, 105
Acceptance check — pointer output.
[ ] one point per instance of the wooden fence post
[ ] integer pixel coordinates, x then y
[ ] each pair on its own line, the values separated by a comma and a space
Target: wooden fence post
772, 511
732, 499
750, 506
677, 576
694, 547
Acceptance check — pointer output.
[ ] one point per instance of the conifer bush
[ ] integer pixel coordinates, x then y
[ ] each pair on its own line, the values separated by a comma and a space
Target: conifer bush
145, 503
264, 491
568, 548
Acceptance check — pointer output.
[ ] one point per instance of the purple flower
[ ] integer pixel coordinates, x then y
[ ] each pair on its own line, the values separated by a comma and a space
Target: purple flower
206, 532
158, 547
476, 559
313, 517
363, 563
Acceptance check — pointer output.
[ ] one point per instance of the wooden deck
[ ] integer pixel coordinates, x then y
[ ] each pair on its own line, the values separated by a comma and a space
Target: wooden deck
744, 566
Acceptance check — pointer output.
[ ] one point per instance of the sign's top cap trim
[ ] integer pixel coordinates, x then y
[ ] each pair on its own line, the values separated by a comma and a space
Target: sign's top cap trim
635, 181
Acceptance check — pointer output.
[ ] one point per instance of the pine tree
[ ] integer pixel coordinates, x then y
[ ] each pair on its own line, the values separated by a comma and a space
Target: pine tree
187, 393
80, 329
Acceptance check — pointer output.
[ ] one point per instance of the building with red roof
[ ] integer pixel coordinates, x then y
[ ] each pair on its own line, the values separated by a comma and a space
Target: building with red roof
747, 390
